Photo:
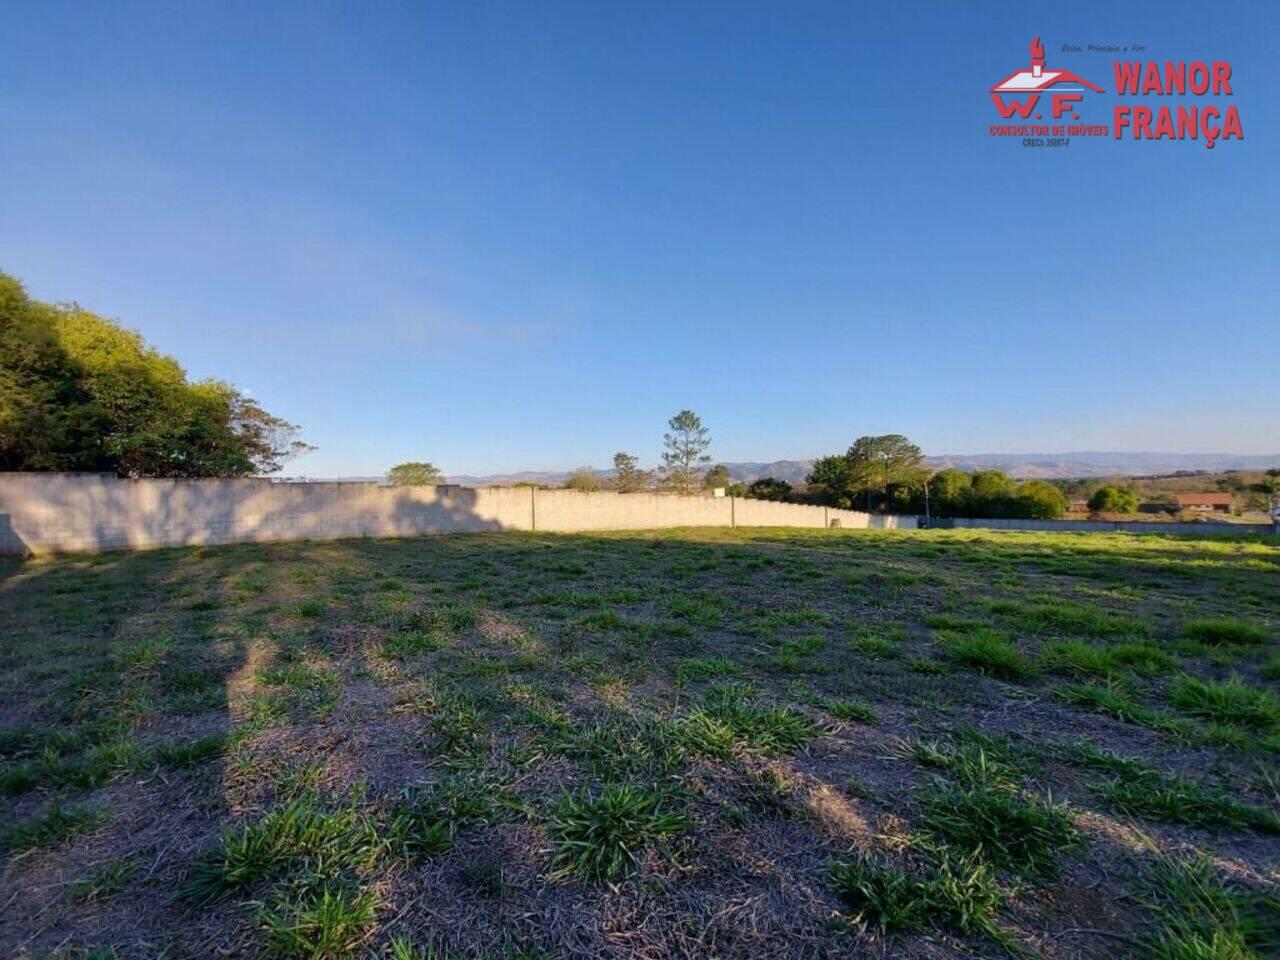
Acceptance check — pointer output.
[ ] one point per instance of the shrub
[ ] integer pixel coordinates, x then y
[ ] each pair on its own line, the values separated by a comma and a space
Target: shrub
1113, 499
1037, 500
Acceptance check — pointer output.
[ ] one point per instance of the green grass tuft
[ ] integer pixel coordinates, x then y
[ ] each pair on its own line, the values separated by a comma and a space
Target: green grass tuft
1139, 790
189, 753
854, 711
1114, 700
989, 652
1216, 633
55, 825
1010, 831
301, 837
103, 881
1231, 701
1199, 917
311, 607
1067, 617
727, 723
407, 644
957, 894
1271, 669
332, 922
602, 835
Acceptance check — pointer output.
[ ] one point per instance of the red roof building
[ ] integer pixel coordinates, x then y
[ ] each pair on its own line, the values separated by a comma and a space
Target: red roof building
1205, 502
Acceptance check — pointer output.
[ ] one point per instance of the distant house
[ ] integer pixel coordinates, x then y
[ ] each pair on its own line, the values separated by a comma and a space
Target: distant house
1078, 506
1205, 502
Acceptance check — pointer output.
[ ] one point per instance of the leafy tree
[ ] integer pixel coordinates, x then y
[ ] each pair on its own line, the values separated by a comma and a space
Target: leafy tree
888, 465
685, 449
416, 473
989, 493
78, 392
949, 492
627, 475
736, 490
831, 481
717, 476
1113, 499
584, 479
769, 488
1038, 500
891, 460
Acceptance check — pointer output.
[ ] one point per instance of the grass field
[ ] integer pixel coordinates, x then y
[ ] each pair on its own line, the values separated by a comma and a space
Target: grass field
713, 743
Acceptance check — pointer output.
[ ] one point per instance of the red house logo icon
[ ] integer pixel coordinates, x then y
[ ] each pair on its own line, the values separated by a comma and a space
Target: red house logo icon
1067, 88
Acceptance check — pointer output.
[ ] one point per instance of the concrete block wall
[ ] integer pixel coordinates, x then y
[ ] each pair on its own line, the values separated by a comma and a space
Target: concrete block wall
50, 512
570, 511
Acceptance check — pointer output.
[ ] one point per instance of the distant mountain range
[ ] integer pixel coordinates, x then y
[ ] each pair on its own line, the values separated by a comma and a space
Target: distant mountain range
1057, 466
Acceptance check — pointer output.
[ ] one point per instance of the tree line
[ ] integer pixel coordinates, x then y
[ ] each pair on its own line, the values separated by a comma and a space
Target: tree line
883, 473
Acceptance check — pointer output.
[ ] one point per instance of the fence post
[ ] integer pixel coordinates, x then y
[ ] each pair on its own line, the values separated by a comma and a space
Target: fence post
733, 511
533, 509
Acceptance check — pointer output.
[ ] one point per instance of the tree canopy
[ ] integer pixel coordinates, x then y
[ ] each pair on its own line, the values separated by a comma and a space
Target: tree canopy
1113, 499
1038, 500
627, 475
684, 450
717, 476
79, 392
584, 479
415, 473
769, 488
882, 468
992, 493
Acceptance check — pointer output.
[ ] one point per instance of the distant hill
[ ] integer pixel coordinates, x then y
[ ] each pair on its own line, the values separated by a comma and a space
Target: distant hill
1064, 466
1055, 466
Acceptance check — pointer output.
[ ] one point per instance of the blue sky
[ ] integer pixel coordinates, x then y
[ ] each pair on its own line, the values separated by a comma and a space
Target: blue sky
522, 235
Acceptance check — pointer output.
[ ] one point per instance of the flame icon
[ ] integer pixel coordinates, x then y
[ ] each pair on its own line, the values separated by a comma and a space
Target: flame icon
1037, 57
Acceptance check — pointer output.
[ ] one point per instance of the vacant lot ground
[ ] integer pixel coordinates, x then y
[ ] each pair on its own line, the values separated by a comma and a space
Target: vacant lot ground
682, 744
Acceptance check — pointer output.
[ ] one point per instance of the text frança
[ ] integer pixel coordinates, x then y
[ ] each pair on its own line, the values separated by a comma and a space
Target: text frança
1135, 78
